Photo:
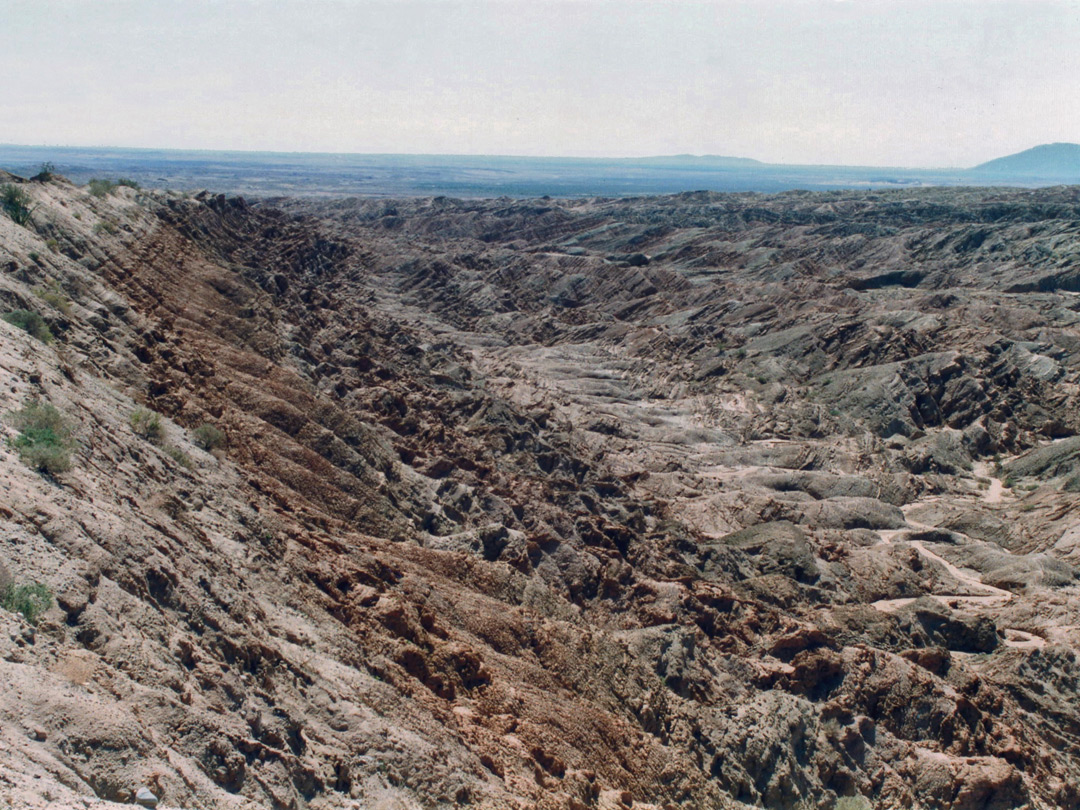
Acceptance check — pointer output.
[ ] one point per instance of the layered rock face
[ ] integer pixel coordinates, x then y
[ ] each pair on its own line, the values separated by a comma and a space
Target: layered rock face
705, 500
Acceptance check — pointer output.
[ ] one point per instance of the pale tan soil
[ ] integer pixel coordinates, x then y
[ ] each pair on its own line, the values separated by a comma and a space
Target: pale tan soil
996, 491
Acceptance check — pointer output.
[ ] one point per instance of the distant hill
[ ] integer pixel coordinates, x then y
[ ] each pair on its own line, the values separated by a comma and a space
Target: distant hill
1058, 160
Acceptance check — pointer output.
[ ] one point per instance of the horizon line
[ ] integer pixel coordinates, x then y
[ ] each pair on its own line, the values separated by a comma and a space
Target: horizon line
686, 155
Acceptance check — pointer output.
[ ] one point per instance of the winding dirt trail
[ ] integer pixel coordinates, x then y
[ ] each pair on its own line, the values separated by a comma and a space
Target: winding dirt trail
991, 597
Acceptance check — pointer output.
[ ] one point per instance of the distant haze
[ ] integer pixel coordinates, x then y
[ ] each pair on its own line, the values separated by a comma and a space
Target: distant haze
860, 82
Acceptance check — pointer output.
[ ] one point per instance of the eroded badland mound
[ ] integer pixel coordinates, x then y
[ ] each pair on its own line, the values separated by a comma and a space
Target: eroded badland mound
709, 501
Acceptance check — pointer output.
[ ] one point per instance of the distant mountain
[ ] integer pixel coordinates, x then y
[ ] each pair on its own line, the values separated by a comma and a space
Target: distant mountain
1057, 160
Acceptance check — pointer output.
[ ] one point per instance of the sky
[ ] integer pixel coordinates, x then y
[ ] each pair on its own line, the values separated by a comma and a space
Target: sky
935, 83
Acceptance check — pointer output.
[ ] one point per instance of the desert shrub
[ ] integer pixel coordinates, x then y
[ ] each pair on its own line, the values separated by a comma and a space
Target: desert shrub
45, 173
29, 322
179, 456
147, 425
55, 298
125, 181
105, 226
16, 204
208, 437
30, 600
44, 442
53, 245
100, 188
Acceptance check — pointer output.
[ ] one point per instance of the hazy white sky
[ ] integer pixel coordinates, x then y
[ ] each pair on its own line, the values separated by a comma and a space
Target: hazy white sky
881, 82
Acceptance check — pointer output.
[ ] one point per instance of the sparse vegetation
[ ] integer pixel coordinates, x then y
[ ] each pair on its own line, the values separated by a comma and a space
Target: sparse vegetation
208, 437
52, 245
179, 456
16, 204
54, 297
147, 424
100, 188
44, 442
105, 226
46, 173
30, 322
264, 531
31, 600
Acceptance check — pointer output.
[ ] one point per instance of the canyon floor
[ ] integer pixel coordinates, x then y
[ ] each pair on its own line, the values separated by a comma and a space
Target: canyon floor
703, 500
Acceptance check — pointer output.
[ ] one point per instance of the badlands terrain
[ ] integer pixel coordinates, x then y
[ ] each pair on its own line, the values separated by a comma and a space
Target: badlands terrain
703, 500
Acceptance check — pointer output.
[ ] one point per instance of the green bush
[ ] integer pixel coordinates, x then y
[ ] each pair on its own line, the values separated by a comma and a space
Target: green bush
16, 203
44, 442
29, 322
208, 437
46, 173
101, 188
29, 600
179, 456
124, 181
55, 298
147, 425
